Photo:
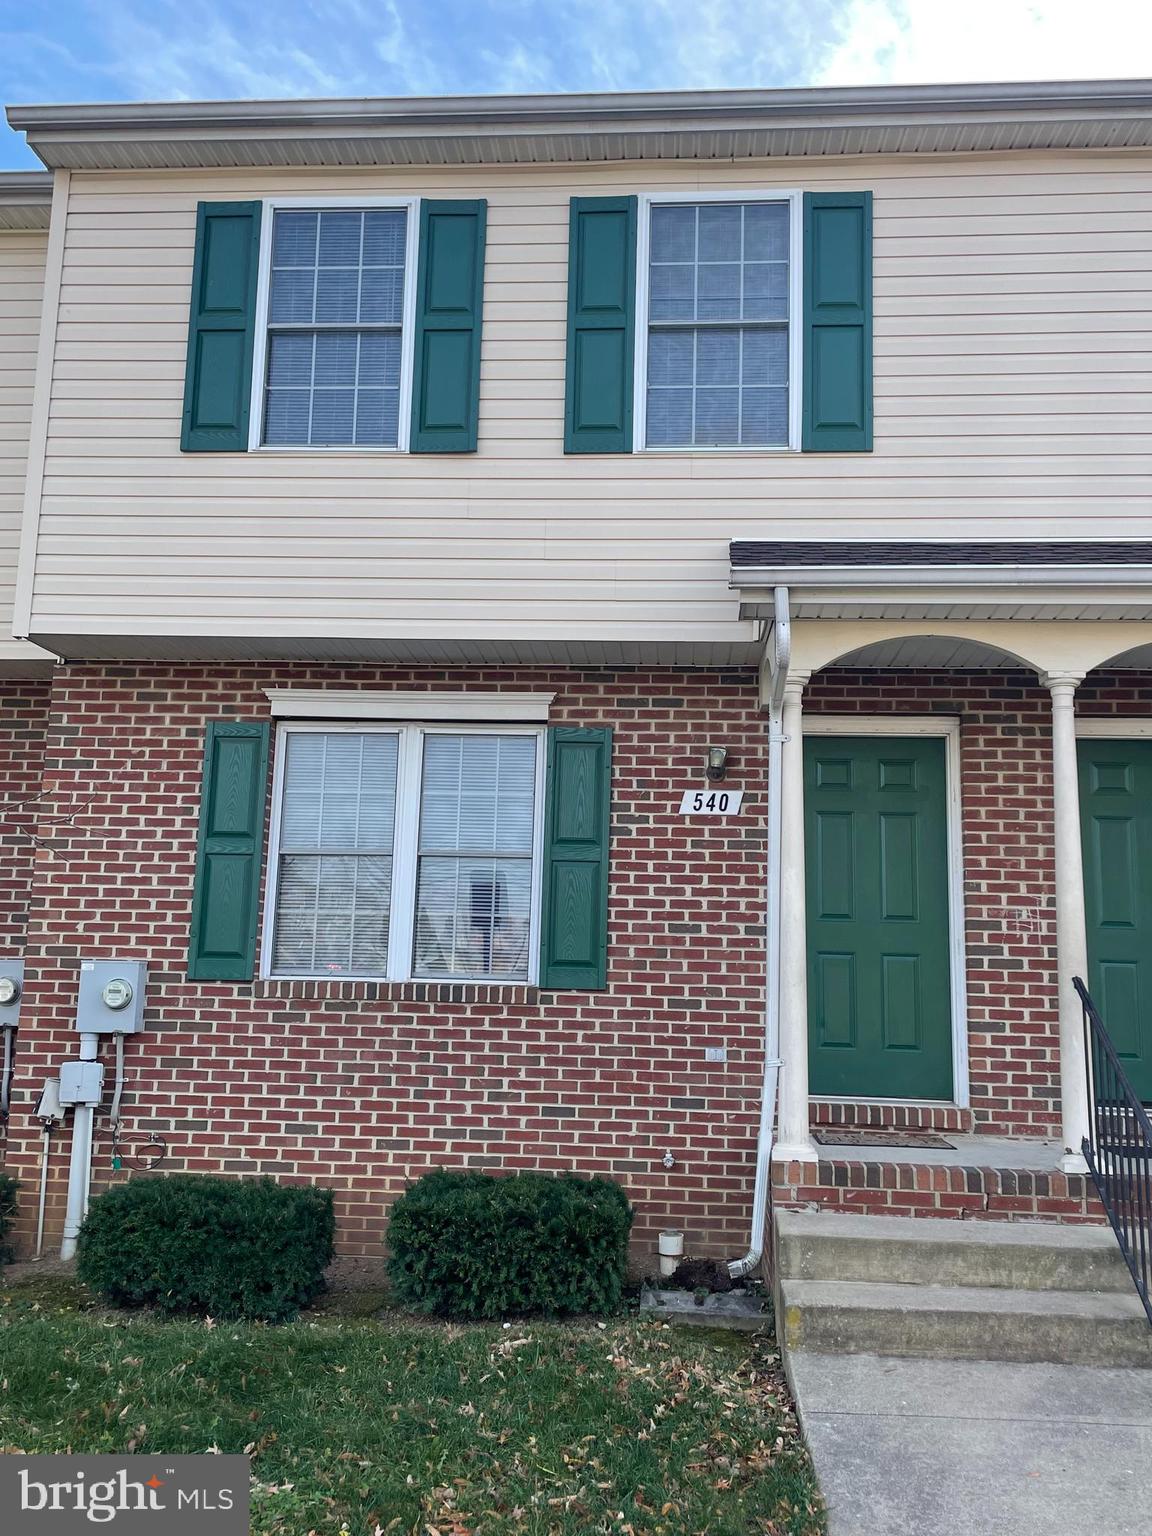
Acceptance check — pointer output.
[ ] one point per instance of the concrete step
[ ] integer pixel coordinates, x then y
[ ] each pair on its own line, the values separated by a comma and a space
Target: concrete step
923, 1251
944, 1322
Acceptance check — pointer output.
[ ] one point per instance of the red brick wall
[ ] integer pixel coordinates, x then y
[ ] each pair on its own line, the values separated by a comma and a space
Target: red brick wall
23, 721
363, 1086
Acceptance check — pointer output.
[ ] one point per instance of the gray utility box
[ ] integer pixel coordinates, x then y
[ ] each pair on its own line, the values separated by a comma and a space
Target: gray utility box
11, 972
81, 1082
111, 998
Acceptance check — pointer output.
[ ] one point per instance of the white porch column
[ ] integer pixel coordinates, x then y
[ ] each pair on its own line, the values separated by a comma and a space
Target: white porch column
794, 1142
1071, 930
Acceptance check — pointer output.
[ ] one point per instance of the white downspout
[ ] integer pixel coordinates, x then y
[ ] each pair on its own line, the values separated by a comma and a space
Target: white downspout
80, 1167
782, 653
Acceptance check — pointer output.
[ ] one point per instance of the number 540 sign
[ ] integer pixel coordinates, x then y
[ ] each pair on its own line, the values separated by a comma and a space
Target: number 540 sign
711, 802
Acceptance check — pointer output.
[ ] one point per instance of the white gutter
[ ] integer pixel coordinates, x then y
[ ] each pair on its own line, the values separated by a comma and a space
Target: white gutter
972, 575
832, 104
782, 648
26, 187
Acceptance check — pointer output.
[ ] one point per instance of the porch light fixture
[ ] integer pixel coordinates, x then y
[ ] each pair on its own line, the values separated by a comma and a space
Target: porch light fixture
716, 763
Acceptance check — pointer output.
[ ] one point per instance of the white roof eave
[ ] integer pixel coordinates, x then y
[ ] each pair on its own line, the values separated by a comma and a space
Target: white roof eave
698, 125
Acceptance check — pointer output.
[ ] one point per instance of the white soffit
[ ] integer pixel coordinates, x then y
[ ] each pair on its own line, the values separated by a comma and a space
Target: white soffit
373, 704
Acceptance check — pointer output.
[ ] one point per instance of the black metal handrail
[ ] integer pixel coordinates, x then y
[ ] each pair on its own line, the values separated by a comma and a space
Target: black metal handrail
1118, 1148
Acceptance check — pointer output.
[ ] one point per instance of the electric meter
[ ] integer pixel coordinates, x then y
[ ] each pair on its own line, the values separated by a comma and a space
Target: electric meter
117, 993
111, 1000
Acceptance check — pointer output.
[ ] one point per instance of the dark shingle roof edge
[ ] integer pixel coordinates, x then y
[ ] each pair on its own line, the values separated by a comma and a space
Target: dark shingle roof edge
793, 554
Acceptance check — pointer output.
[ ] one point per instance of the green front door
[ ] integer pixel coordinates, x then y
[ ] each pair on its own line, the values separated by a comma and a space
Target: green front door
879, 994
1116, 819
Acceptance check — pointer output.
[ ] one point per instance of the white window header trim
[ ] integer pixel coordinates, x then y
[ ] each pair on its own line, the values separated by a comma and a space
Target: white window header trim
371, 704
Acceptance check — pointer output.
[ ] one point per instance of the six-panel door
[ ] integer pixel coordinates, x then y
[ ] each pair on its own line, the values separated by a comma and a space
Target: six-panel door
879, 992
1116, 820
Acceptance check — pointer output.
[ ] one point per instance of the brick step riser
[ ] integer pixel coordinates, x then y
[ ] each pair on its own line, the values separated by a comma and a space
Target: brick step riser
923, 1189
891, 1117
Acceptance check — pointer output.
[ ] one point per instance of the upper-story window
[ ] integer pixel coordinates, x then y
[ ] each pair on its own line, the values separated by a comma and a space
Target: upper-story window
335, 333
716, 356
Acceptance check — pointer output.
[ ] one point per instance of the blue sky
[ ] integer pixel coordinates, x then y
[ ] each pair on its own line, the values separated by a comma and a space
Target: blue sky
158, 50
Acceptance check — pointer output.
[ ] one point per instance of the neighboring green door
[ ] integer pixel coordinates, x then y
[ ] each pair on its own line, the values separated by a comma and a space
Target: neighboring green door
879, 993
1116, 819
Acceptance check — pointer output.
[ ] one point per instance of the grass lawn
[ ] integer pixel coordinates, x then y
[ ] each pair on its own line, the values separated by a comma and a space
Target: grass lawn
382, 1424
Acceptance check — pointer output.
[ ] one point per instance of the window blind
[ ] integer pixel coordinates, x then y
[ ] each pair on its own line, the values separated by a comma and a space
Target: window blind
718, 325
337, 831
335, 312
474, 868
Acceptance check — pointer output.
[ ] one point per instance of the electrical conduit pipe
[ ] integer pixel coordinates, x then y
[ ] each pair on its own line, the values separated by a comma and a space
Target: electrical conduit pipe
6, 1071
80, 1167
782, 655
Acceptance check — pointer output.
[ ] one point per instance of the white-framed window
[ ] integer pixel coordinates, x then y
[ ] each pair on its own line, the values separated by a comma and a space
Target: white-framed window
718, 321
332, 362
404, 852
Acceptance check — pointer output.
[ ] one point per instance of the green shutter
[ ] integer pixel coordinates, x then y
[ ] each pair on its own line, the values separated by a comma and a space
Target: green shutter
837, 322
449, 300
218, 374
228, 851
577, 815
601, 325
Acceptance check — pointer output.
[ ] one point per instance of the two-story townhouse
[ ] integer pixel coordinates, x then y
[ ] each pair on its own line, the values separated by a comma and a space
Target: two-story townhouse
580, 620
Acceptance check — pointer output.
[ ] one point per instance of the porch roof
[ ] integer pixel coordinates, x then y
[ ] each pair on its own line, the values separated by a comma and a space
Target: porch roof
1073, 579
1006, 553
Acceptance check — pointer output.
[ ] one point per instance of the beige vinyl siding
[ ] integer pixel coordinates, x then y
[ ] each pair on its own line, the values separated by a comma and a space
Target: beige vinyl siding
22, 257
1013, 381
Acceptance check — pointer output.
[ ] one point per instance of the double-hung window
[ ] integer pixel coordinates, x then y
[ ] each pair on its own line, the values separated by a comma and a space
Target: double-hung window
336, 322
719, 284
406, 851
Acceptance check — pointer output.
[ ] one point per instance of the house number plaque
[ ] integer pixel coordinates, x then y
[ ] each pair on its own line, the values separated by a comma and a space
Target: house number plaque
711, 802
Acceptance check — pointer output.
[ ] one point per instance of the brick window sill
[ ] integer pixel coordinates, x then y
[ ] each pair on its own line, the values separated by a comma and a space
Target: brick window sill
513, 993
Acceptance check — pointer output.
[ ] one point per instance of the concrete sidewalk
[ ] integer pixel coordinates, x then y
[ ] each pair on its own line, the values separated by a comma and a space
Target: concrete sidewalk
977, 1448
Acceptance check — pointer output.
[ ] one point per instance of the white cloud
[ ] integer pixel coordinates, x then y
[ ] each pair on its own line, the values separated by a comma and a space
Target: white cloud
923, 41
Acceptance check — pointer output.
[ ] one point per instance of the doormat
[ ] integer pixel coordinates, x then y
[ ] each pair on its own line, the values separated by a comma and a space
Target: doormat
843, 1136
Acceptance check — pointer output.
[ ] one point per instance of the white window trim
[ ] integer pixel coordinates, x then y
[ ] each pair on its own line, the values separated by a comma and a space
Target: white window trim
376, 704
794, 197
404, 853
947, 726
270, 206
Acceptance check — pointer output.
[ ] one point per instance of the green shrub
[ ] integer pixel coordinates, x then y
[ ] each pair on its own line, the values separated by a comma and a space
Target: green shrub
8, 1188
226, 1248
471, 1245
